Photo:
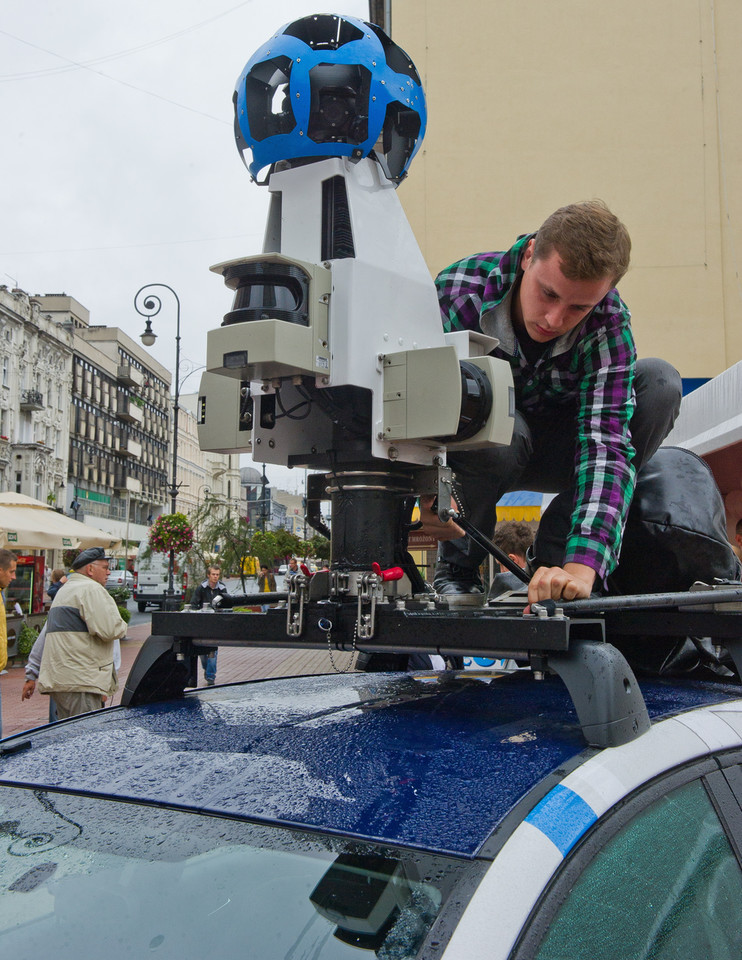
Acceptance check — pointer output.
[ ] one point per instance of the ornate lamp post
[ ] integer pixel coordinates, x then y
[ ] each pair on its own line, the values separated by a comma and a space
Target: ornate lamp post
265, 498
149, 306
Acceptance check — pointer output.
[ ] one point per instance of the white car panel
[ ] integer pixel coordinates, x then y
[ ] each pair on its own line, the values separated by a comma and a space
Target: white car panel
505, 897
512, 886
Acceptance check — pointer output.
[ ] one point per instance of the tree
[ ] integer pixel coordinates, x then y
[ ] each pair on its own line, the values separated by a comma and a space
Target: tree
318, 546
264, 546
287, 545
221, 537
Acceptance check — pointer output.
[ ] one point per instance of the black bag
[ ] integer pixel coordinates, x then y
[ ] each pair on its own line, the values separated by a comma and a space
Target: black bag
676, 529
675, 534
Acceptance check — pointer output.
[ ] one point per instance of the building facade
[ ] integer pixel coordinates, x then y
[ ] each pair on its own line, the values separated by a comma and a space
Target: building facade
86, 421
36, 360
203, 475
634, 103
119, 424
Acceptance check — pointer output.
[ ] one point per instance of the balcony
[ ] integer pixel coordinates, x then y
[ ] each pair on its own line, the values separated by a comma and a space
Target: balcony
32, 400
130, 448
122, 483
129, 376
129, 411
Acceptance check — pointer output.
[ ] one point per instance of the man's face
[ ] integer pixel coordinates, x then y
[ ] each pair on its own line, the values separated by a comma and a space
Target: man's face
293, 564
7, 576
213, 577
547, 304
97, 570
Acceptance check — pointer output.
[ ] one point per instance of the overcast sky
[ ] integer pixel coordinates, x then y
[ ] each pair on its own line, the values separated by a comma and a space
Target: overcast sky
118, 166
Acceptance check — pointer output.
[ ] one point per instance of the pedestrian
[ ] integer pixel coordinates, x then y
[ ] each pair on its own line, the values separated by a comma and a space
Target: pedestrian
33, 665
8, 562
291, 572
204, 593
587, 413
515, 539
57, 579
266, 584
77, 666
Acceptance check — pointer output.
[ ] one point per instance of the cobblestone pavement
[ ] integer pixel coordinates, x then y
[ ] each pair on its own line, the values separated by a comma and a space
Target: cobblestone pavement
235, 663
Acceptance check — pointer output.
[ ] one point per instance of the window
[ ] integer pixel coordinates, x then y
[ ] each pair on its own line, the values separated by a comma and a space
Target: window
82, 876
666, 886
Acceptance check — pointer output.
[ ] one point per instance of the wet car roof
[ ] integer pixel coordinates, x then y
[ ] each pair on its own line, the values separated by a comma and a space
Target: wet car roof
435, 761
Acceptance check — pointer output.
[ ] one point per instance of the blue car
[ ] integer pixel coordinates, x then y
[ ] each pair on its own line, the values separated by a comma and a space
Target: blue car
389, 815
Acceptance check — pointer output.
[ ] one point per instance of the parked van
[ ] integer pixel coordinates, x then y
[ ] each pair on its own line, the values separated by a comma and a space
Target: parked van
151, 578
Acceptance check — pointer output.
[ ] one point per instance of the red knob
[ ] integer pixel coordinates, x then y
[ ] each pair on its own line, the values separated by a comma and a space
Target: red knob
393, 573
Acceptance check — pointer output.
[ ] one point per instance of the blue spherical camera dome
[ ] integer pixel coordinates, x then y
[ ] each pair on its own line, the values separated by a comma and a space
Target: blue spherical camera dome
330, 86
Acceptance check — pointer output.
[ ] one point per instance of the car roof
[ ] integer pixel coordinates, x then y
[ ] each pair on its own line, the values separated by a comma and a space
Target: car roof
435, 761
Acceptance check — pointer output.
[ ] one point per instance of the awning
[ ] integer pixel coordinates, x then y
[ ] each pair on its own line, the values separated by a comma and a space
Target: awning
521, 505
29, 524
710, 424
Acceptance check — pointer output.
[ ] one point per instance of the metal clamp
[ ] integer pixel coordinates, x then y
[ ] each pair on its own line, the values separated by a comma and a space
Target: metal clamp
369, 592
298, 591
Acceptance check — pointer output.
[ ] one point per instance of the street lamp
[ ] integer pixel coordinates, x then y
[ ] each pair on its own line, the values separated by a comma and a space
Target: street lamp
265, 498
149, 307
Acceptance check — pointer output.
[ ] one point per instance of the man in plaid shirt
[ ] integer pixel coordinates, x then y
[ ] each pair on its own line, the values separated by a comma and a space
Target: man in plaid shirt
588, 414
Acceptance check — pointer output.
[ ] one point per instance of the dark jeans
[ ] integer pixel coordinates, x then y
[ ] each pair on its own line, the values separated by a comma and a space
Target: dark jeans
541, 457
208, 662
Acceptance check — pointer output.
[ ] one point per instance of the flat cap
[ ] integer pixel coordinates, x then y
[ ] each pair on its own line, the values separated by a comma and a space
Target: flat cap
88, 556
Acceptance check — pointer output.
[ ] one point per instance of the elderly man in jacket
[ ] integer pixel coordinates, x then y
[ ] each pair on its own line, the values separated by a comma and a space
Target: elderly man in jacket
77, 668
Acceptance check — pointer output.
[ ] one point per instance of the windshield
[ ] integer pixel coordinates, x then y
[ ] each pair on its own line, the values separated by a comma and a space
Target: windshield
85, 877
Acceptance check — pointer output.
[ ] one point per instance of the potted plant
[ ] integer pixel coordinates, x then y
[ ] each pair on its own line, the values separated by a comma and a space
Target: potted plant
171, 531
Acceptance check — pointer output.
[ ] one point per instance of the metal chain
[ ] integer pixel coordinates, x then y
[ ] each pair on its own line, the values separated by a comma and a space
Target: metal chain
328, 631
455, 493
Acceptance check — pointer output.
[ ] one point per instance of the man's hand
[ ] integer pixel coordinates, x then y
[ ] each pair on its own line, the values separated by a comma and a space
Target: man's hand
432, 525
573, 581
28, 688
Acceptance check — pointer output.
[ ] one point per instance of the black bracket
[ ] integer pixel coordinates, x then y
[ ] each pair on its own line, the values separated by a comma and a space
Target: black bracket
604, 691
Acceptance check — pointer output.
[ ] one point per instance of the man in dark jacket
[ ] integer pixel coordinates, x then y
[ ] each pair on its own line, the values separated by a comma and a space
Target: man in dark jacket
204, 593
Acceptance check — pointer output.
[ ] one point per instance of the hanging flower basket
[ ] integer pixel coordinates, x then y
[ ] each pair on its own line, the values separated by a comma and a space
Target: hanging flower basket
171, 531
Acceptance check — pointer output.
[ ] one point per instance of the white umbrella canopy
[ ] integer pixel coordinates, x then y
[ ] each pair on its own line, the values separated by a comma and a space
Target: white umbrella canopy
32, 525
11, 499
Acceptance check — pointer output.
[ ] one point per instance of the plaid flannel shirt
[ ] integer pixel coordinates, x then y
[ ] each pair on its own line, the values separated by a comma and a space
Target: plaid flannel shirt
589, 371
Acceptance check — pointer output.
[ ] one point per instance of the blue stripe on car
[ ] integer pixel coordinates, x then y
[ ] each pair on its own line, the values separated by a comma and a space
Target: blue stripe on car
563, 817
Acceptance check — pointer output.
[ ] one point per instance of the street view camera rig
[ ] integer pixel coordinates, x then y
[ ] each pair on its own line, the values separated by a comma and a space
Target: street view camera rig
333, 358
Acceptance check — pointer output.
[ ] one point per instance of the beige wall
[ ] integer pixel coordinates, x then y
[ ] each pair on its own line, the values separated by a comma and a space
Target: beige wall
533, 105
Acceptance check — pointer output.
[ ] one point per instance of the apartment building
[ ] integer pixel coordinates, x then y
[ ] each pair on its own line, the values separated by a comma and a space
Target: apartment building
119, 424
36, 357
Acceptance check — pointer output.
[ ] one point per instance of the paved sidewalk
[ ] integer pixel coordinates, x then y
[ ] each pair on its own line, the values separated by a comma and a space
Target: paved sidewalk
235, 663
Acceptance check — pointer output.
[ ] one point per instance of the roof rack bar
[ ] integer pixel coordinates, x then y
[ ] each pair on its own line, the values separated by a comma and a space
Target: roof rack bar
644, 601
